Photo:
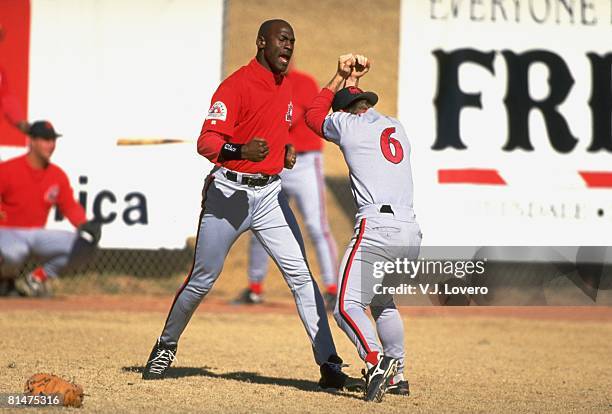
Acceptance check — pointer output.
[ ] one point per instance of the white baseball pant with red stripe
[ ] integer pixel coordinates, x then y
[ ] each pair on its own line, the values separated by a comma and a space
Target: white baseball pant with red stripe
304, 183
378, 237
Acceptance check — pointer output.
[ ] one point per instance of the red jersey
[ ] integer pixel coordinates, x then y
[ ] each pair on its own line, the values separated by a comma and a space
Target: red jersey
251, 102
27, 194
305, 89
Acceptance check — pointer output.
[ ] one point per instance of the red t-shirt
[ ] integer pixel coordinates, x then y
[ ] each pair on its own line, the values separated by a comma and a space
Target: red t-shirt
305, 89
251, 102
27, 194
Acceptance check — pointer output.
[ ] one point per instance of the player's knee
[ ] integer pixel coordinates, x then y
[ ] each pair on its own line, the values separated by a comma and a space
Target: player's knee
346, 307
15, 255
297, 274
202, 279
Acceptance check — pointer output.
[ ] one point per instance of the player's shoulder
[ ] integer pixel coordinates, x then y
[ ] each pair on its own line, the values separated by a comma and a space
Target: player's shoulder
13, 163
235, 78
231, 88
57, 171
396, 122
373, 116
342, 117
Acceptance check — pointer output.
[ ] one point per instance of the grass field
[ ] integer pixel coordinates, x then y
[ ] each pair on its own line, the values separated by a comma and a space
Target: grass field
245, 361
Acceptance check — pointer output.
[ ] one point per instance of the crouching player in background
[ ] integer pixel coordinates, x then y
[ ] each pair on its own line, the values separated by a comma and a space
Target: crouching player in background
29, 186
376, 150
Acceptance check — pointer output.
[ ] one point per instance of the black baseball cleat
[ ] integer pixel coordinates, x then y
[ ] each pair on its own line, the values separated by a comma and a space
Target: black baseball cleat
248, 297
159, 361
400, 388
332, 376
378, 378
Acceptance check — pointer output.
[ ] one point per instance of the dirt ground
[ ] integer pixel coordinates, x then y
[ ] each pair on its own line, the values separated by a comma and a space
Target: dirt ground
232, 359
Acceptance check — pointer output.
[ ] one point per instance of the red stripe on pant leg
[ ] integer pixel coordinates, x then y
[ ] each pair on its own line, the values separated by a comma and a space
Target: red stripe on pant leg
345, 275
180, 290
324, 225
470, 176
597, 179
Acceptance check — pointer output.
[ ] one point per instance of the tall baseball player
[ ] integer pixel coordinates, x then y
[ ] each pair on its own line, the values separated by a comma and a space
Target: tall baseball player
377, 152
246, 136
305, 184
29, 186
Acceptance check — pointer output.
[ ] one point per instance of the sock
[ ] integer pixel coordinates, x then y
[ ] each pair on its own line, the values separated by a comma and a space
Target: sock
371, 359
332, 289
397, 378
256, 287
40, 274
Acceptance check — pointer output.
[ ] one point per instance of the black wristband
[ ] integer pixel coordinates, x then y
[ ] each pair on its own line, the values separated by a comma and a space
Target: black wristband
231, 152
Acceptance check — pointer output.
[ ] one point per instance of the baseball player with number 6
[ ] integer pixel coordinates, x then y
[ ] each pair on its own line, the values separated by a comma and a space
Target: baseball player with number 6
377, 151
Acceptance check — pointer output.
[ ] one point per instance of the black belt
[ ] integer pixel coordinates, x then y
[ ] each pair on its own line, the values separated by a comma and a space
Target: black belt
251, 181
386, 208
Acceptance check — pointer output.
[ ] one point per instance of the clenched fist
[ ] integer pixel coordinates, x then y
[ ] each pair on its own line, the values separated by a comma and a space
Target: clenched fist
345, 65
290, 156
255, 150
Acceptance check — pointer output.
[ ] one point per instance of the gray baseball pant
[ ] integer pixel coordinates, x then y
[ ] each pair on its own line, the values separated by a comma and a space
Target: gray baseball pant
228, 210
56, 248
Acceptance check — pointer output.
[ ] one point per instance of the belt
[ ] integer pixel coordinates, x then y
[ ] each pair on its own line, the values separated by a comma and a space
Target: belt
398, 212
251, 181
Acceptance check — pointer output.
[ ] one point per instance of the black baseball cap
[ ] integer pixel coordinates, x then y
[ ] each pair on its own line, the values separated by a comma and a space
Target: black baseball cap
43, 129
346, 96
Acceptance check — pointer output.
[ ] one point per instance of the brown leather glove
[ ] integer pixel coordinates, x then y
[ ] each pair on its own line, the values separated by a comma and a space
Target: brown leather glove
48, 384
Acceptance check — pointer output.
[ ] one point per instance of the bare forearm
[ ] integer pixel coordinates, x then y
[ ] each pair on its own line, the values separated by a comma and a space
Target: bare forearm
336, 83
352, 81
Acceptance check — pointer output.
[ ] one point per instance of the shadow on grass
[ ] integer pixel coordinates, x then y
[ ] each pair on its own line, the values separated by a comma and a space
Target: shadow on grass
242, 376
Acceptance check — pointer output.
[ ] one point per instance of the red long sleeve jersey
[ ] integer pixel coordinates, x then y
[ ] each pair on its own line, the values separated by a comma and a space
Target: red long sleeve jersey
305, 89
251, 102
27, 194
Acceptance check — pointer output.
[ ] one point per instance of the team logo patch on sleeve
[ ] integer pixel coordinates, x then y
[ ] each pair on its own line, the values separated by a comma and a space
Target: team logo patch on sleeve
218, 111
289, 114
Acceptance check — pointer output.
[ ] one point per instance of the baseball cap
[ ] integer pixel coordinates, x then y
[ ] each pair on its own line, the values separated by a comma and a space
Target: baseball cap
43, 129
346, 96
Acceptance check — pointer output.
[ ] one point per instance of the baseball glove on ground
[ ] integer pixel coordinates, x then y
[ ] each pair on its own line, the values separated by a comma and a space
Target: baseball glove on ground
47, 384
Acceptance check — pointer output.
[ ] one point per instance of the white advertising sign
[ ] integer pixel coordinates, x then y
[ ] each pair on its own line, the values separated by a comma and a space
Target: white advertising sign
508, 105
138, 69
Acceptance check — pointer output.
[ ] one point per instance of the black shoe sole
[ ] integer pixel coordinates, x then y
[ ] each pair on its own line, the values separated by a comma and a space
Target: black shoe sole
398, 391
377, 388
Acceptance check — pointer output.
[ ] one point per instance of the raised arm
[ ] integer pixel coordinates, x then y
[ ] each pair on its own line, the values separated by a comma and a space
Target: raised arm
318, 109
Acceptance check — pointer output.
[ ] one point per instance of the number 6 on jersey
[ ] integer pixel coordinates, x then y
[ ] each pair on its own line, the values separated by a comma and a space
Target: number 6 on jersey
386, 141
